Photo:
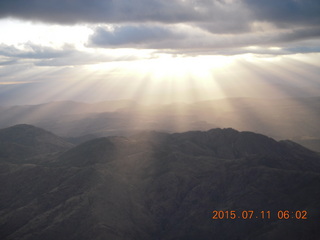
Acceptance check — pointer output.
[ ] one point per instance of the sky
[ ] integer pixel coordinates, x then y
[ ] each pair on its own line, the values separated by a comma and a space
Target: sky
158, 51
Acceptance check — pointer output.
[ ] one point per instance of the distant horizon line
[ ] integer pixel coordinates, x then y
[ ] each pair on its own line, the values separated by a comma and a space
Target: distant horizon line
142, 102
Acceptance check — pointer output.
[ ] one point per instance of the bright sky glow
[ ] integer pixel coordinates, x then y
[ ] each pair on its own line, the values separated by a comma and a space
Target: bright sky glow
183, 54
17, 32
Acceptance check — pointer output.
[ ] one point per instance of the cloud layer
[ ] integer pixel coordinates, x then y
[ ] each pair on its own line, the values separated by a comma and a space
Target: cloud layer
238, 12
123, 31
181, 24
109, 11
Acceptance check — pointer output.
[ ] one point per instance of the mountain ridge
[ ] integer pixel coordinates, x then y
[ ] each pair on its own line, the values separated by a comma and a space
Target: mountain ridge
272, 117
26, 141
163, 186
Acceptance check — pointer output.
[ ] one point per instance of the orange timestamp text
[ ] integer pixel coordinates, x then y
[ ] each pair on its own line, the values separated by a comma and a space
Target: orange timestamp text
251, 214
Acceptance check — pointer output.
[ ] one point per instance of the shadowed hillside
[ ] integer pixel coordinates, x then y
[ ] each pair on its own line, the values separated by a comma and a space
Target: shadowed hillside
162, 186
24, 141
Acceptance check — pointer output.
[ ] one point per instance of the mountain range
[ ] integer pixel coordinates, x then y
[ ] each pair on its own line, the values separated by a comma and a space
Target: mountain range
156, 185
291, 118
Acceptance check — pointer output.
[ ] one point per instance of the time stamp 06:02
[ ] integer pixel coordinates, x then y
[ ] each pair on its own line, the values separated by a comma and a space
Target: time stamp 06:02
251, 214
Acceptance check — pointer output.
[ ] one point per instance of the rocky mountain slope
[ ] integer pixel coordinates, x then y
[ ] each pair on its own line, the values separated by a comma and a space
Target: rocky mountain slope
163, 186
24, 141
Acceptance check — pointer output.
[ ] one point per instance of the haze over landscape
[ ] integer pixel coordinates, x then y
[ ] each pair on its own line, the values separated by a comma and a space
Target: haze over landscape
137, 119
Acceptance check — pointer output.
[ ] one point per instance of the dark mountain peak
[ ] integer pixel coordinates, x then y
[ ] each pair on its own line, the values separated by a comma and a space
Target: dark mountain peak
227, 143
21, 132
23, 127
27, 140
29, 135
223, 131
106, 149
98, 150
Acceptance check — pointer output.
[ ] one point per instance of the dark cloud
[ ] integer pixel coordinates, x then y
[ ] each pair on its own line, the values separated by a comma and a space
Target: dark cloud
299, 34
191, 38
58, 11
95, 11
49, 56
223, 12
33, 51
216, 15
204, 25
131, 35
286, 13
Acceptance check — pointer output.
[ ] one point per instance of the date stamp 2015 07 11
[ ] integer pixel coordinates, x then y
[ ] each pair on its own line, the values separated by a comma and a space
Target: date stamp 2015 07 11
251, 214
